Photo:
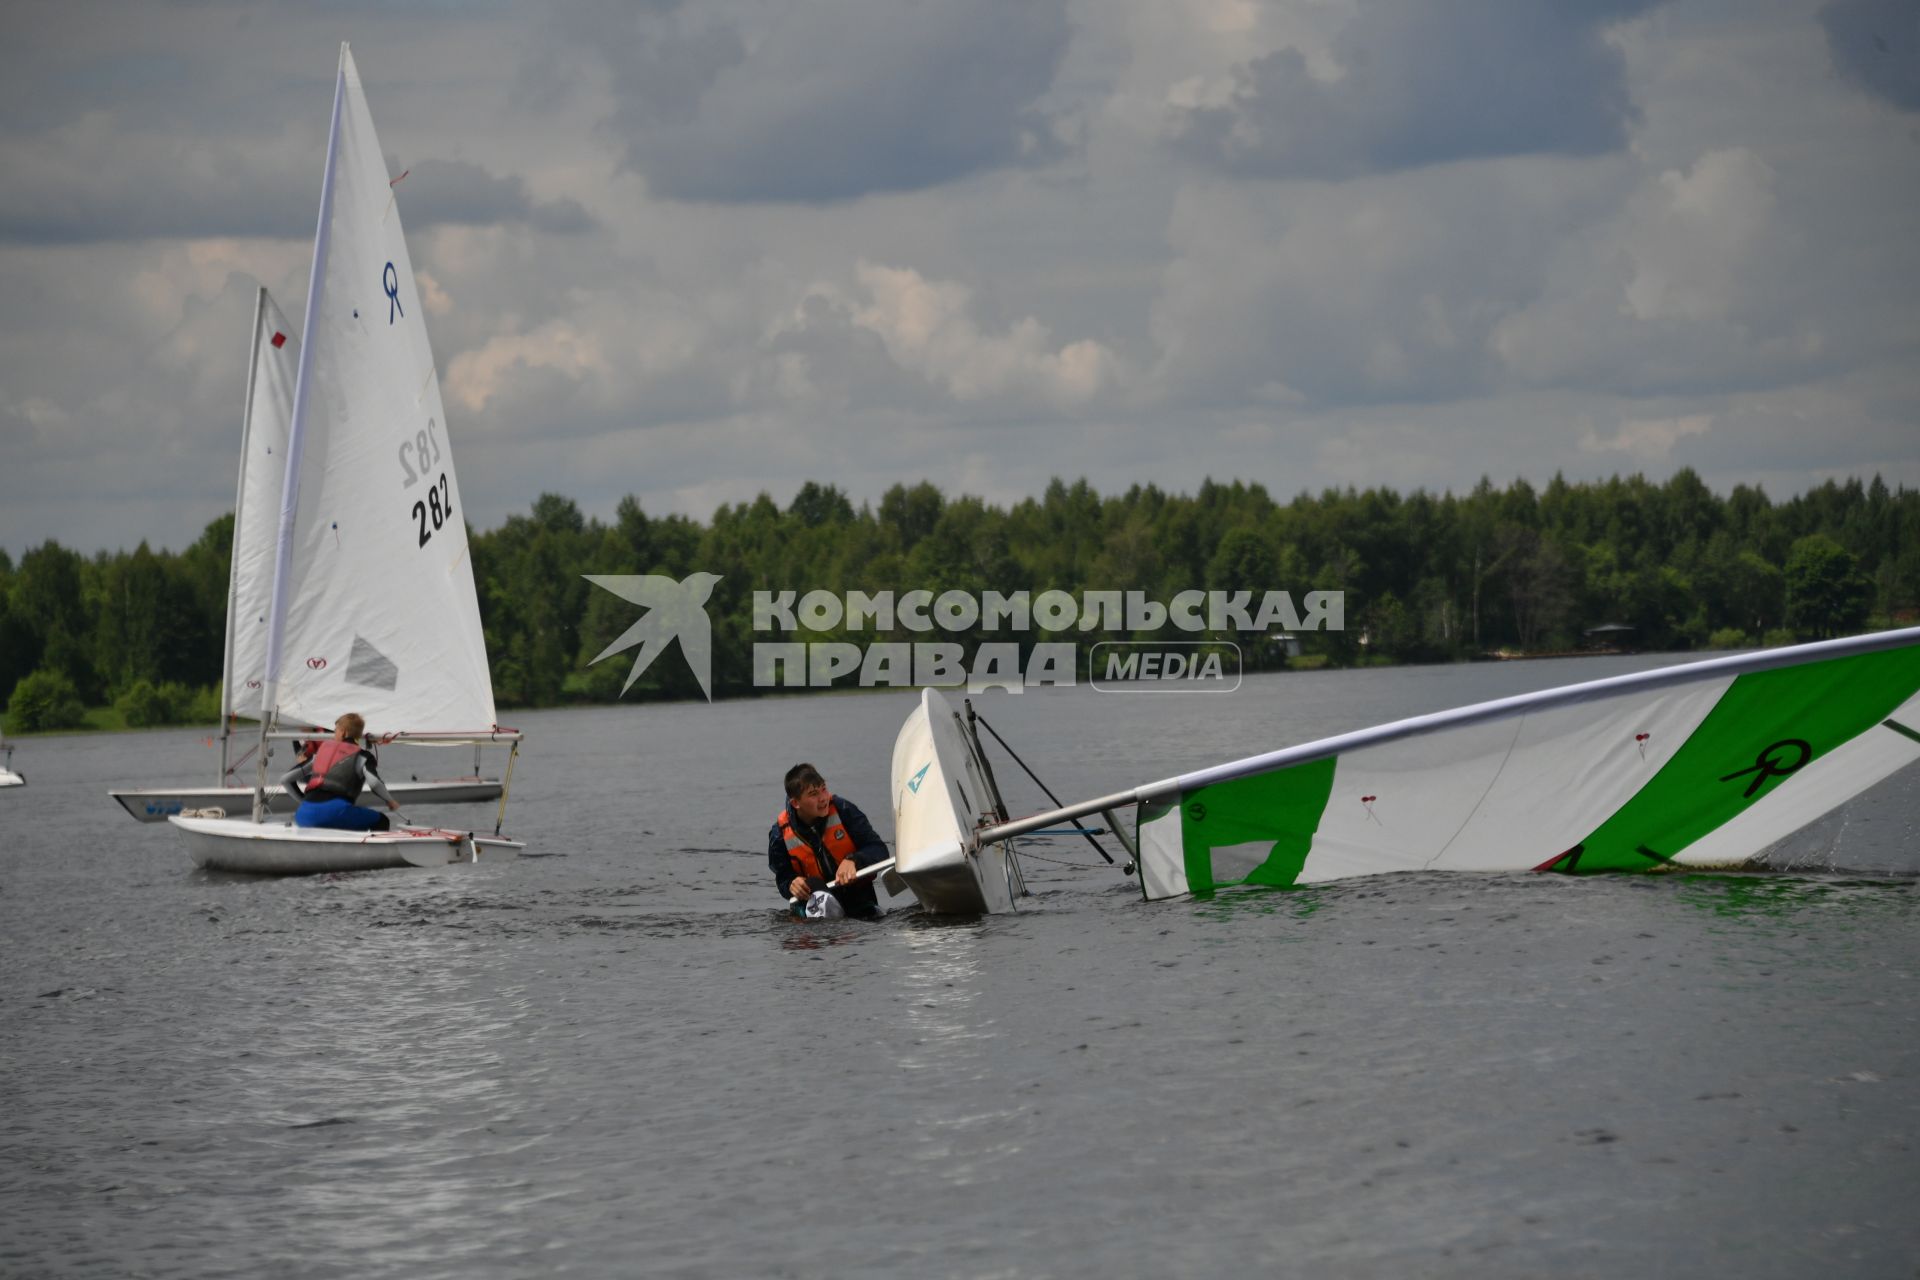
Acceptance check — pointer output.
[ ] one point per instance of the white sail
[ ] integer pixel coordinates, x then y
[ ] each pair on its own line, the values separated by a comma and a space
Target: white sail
380, 613
256, 511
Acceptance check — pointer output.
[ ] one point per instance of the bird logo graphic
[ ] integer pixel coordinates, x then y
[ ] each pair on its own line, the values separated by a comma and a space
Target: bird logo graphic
673, 609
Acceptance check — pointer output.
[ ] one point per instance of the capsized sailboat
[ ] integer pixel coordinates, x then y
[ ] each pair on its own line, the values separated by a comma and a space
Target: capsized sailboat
275, 354
371, 605
943, 792
1707, 764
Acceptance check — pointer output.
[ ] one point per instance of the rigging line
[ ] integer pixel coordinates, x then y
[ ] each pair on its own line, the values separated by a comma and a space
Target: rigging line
979, 754
1026, 854
1519, 723
505, 784
1036, 782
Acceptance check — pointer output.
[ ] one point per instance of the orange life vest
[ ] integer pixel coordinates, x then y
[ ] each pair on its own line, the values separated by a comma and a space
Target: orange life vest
333, 772
805, 861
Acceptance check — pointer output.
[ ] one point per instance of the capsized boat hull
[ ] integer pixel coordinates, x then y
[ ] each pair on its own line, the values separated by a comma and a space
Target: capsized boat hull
157, 804
282, 849
939, 800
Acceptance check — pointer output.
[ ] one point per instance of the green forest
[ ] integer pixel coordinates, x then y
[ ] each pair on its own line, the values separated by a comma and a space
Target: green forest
134, 637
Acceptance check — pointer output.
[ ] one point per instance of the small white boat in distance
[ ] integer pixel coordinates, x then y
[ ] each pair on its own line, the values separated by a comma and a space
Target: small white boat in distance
371, 606
942, 796
8, 778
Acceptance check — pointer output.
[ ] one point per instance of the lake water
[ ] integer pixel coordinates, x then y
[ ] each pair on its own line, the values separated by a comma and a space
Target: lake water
619, 1058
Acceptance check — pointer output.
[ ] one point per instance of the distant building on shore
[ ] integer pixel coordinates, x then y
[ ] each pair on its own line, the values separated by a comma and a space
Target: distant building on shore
1610, 637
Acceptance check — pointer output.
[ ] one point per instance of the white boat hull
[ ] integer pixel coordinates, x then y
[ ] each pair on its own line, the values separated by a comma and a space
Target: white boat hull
280, 848
8, 778
157, 804
939, 802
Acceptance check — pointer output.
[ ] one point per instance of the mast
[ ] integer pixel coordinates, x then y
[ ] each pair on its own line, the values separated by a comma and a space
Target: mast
296, 437
233, 560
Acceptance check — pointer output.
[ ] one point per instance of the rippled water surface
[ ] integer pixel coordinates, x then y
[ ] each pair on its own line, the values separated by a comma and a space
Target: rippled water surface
618, 1058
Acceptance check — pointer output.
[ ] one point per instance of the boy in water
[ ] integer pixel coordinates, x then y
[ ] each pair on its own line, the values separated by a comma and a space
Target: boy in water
819, 841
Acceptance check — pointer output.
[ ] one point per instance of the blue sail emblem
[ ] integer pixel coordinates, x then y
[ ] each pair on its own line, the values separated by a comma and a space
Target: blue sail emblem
913, 783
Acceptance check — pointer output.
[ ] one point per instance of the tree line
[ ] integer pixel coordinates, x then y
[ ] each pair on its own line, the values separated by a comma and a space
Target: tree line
1426, 578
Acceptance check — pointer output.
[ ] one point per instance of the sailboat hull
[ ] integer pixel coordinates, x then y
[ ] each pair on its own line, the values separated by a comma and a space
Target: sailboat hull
8, 778
157, 804
939, 798
282, 849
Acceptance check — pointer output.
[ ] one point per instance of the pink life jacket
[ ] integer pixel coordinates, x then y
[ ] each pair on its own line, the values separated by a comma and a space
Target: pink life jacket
334, 772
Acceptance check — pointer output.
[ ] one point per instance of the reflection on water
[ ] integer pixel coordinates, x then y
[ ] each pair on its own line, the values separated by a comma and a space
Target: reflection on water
938, 976
1228, 904
949, 1051
814, 935
1782, 898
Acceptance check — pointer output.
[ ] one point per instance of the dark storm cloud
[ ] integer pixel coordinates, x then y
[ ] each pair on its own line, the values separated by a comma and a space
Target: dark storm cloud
1424, 84
1876, 44
861, 96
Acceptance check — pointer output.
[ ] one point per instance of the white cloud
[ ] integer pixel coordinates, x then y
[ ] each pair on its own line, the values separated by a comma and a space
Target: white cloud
1648, 439
1693, 236
475, 377
927, 327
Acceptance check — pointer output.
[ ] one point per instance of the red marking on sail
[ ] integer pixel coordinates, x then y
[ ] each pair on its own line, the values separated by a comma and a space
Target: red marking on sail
1571, 857
402, 178
1368, 799
279, 339
1640, 737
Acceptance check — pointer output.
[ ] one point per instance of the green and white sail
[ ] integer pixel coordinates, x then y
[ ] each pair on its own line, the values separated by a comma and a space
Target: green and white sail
1702, 765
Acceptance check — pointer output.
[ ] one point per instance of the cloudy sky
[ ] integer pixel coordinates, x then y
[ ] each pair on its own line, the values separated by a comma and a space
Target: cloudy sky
697, 249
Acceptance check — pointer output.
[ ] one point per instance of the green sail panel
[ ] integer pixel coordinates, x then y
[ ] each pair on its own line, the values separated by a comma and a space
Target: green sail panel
1253, 830
1766, 729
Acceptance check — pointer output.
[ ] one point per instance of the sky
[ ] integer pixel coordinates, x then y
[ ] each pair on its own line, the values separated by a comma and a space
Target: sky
694, 250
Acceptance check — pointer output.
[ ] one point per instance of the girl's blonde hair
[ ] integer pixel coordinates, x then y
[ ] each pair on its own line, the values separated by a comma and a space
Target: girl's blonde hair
355, 726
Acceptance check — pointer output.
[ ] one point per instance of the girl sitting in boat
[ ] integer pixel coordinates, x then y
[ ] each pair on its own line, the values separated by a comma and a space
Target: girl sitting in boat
331, 780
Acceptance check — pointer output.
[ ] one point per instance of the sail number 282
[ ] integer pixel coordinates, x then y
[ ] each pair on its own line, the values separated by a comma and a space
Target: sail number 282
425, 450
438, 507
